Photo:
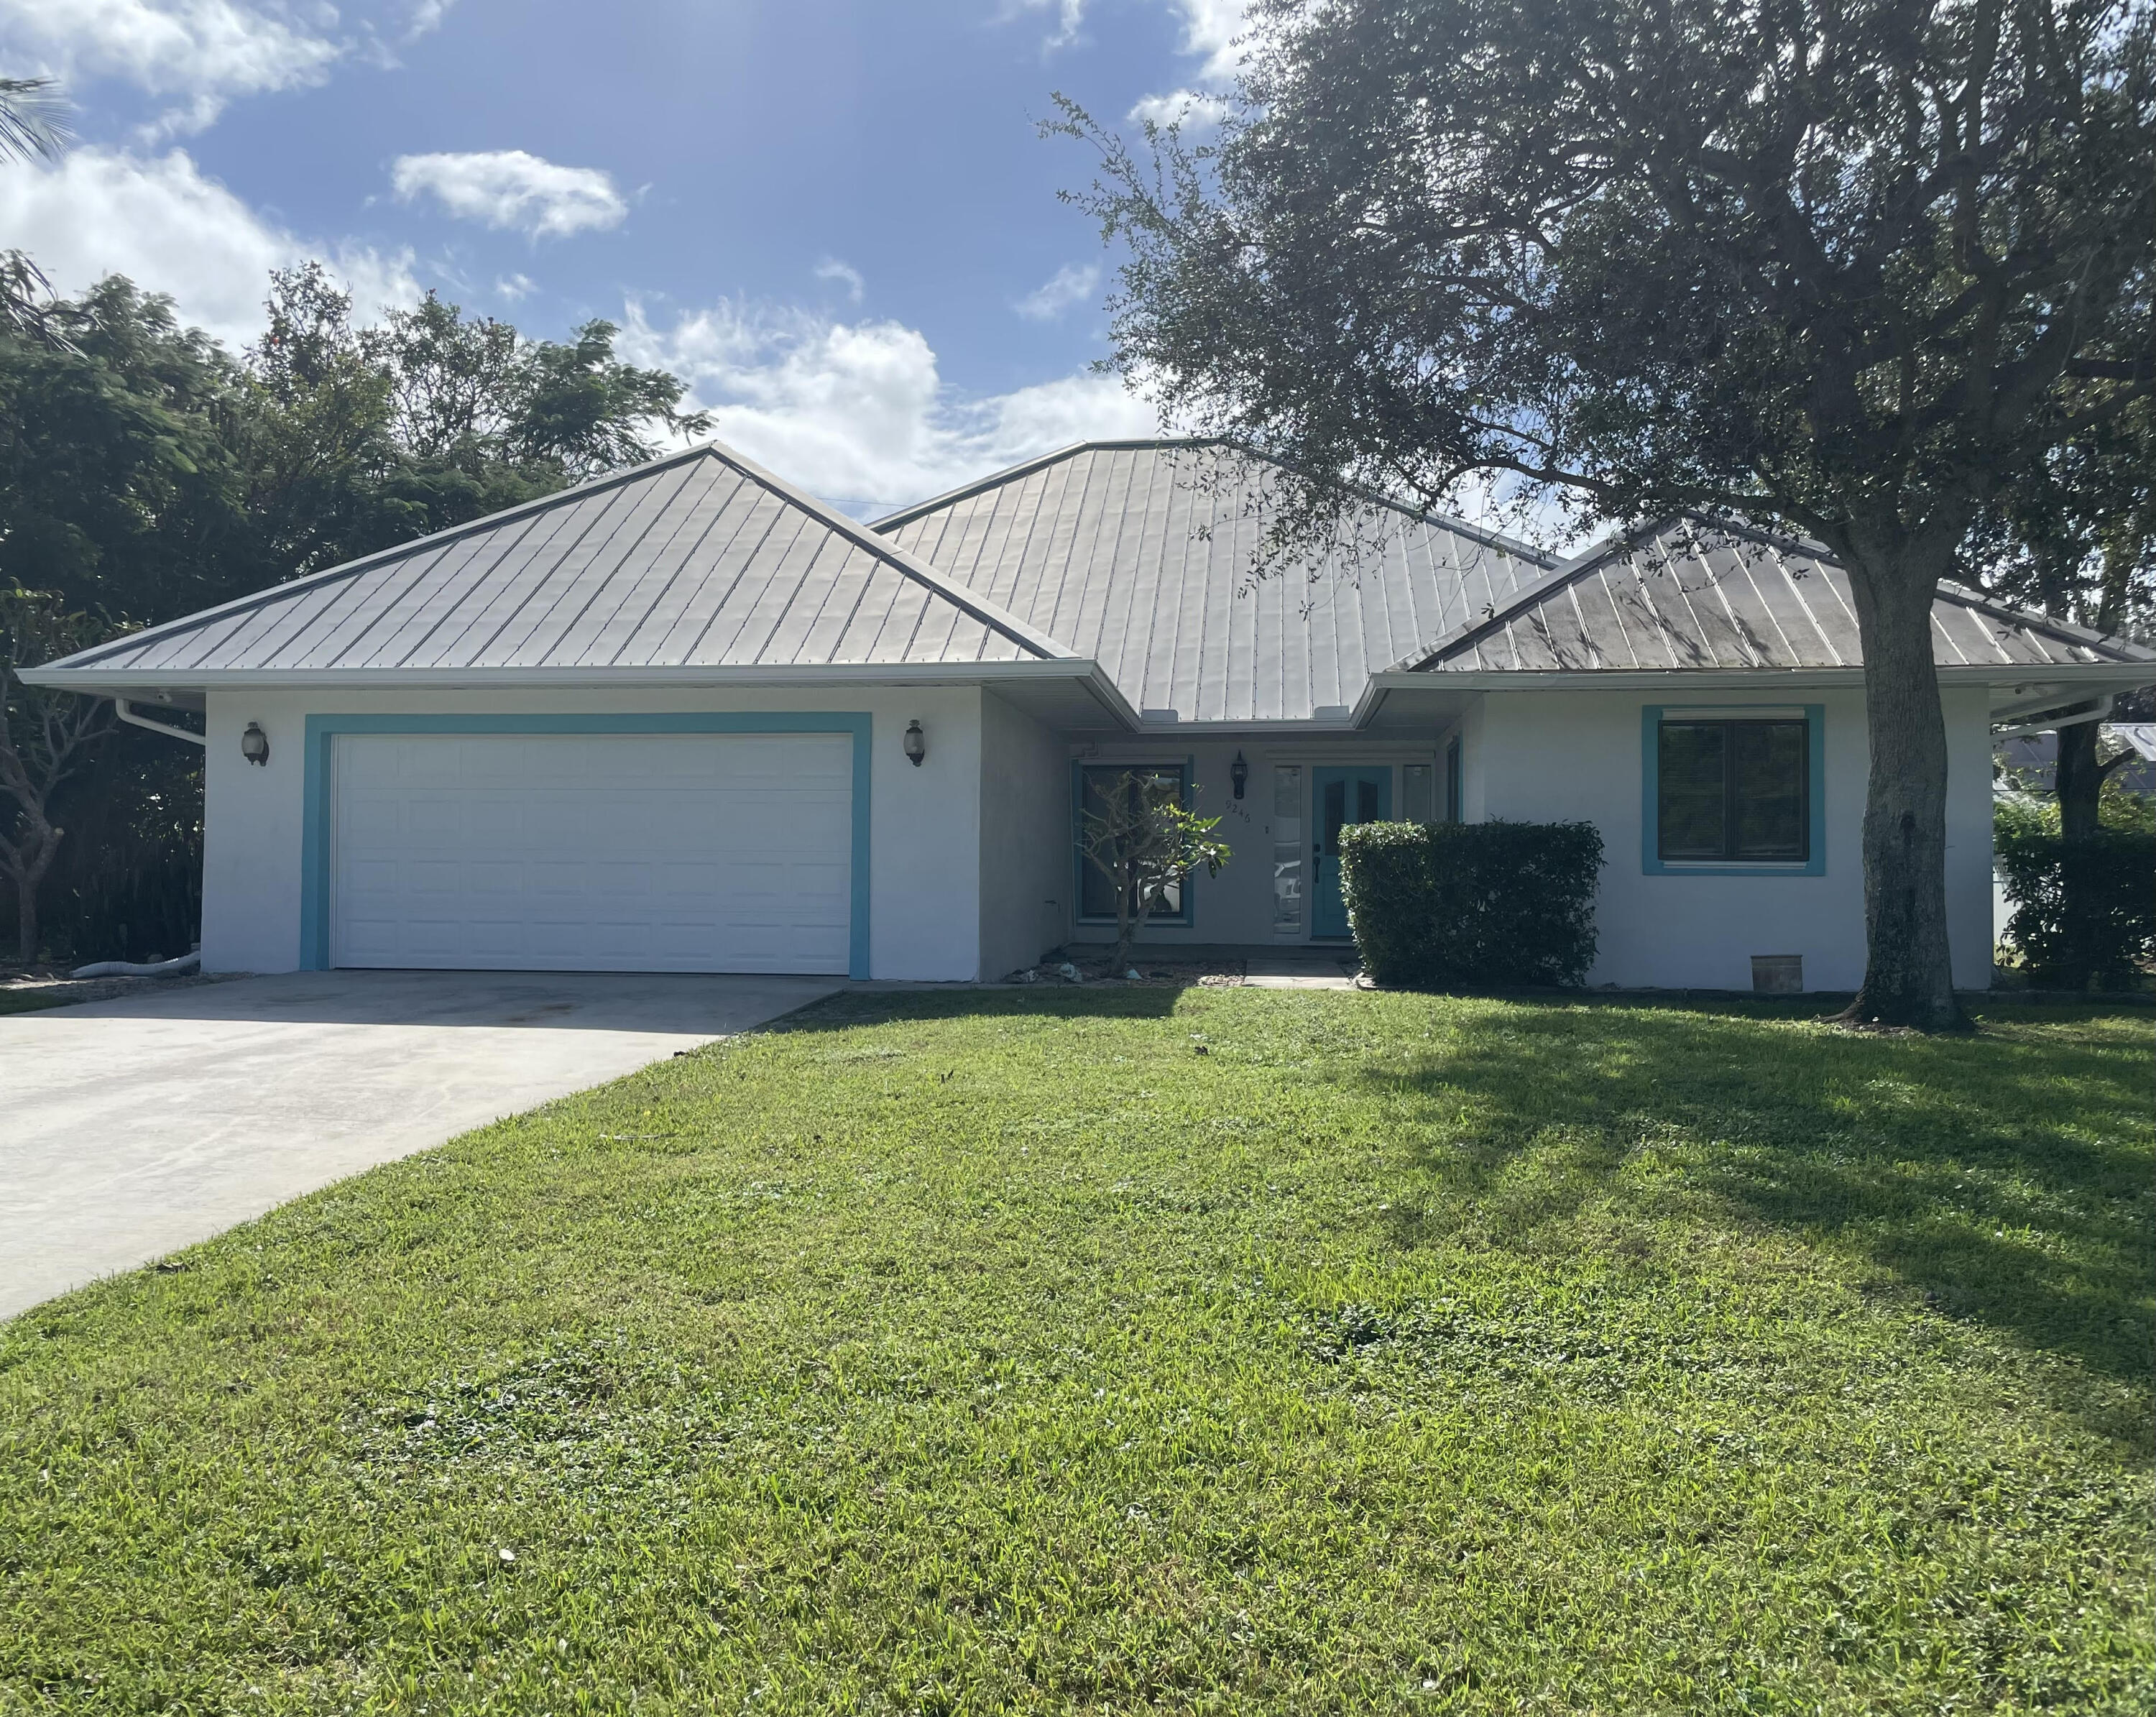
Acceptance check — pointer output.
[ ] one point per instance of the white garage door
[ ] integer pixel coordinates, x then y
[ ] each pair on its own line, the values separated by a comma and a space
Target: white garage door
598, 853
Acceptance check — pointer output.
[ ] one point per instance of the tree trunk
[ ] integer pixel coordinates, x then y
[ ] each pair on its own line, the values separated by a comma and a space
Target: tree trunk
26, 920
1908, 972
1126, 929
25, 860
2079, 781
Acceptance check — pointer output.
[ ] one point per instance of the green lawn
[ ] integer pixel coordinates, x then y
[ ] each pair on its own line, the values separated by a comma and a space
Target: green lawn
31, 1001
1218, 1350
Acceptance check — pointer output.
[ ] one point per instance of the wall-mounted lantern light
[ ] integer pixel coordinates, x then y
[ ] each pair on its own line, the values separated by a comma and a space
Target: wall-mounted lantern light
916, 743
254, 743
1239, 774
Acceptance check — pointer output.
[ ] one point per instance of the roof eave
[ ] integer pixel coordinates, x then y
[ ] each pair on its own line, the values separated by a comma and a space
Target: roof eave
105, 681
2034, 675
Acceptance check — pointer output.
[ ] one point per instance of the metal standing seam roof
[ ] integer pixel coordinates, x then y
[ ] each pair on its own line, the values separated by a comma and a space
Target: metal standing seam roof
1139, 555
701, 559
1687, 594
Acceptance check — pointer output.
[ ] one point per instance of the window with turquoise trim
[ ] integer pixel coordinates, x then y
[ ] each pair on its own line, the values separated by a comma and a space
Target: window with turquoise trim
1096, 889
1733, 791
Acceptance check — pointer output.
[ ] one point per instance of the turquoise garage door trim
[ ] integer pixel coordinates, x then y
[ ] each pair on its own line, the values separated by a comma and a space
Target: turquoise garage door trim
735, 843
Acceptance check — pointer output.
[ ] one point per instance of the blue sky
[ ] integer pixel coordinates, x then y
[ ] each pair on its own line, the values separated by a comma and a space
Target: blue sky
834, 217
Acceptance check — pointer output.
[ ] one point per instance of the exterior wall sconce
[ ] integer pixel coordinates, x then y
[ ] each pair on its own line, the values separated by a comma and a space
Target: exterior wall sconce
254, 743
916, 743
1239, 774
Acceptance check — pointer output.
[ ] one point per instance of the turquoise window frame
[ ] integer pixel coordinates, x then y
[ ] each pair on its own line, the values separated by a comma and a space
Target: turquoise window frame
1187, 768
316, 848
1651, 861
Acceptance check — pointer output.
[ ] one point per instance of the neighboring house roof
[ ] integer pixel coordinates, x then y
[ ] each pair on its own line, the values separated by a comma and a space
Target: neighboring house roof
2035, 757
1139, 555
1689, 595
2137, 736
699, 560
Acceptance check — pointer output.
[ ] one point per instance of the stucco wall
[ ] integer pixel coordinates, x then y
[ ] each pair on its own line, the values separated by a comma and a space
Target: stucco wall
1546, 755
1025, 839
956, 894
925, 847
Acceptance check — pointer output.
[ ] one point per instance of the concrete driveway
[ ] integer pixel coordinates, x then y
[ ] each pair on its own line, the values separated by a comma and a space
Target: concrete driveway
131, 1128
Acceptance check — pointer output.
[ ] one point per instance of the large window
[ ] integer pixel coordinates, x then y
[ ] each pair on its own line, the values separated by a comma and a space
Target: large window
1733, 791
1096, 889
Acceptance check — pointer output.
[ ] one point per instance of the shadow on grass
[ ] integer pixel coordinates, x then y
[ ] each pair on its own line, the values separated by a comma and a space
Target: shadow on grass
2007, 1174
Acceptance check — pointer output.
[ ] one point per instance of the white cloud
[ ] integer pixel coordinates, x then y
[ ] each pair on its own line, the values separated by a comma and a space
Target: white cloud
1193, 110
426, 16
511, 188
1069, 17
203, 52
1070, 285
845, 273
856, 411
158, 220
1210, 28
515, 288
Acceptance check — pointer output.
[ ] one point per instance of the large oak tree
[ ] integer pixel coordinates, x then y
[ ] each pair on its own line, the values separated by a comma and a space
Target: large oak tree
1842, 266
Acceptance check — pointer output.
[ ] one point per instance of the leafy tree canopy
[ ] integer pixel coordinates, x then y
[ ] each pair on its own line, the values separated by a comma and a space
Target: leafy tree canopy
1844, 265
365, 437
145, 472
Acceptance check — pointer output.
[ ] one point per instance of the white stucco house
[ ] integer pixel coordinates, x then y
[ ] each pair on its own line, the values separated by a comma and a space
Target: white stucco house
687, 717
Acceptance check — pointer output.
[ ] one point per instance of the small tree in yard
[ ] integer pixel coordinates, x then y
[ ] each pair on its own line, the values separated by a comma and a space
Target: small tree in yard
1846, 266
45, 738
1145, 841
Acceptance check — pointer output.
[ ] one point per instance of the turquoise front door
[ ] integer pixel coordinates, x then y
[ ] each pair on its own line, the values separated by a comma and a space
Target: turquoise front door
1362, 794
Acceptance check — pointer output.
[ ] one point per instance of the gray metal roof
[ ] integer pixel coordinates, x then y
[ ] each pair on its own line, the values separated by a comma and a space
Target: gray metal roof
1691, 595
1139, 555
699, 560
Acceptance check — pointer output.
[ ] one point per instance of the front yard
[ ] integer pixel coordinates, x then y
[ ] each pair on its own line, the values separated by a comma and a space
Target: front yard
1211, 1351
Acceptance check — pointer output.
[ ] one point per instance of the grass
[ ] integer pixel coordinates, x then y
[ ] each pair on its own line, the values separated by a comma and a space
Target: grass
31, 1001
1226, 1351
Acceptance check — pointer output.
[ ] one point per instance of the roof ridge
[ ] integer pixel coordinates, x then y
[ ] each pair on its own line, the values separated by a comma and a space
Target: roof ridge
2067, 631
989, 614
353, 569
1565, 572
907, 565
1010, 474
2124, 650
1025, 467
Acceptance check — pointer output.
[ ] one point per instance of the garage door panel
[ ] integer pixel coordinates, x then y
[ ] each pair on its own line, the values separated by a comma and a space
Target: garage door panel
645, 852
503, 877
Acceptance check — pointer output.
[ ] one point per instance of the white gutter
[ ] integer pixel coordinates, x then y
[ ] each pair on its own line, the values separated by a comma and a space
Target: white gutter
122, 683
121, 708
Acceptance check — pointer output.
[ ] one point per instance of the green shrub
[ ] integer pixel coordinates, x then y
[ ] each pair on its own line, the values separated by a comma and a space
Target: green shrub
1478, 905
2113, 877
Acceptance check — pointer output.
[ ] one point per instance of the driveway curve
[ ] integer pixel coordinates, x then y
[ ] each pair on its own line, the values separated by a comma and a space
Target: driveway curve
134, 1127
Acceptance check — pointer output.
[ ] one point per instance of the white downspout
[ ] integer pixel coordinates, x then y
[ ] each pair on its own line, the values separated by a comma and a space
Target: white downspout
120, 707
2101, 712
189, 962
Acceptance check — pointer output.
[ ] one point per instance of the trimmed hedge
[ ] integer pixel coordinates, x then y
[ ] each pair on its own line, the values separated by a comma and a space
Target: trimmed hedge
1487, 906
2112, 874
